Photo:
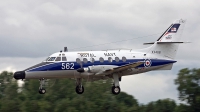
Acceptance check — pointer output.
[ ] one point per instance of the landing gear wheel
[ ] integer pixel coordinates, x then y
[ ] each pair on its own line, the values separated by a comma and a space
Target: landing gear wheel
79, 89
42, 91
115, 90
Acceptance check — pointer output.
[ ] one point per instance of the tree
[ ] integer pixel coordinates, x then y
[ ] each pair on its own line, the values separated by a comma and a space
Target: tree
61, 96
182, 108
9, 101
188, 82
165, 105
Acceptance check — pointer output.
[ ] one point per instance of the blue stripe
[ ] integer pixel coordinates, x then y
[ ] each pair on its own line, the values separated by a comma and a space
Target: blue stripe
58, 65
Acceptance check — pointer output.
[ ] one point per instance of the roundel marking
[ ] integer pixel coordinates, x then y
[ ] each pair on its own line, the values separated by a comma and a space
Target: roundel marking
147, 63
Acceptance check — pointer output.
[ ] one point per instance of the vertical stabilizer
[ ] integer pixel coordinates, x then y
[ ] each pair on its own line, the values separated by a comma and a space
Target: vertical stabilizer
167, 44
173, 33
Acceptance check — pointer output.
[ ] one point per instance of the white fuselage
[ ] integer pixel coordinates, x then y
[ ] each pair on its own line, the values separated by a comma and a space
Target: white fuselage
65, 64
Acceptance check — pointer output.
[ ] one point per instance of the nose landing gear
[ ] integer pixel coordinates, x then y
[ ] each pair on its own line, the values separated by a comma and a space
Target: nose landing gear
41, 89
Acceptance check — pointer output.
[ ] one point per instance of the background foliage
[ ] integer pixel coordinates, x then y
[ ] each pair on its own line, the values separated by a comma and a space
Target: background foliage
61, 96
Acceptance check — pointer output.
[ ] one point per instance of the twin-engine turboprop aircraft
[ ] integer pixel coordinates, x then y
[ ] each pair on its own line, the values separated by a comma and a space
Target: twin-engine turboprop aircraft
97, 65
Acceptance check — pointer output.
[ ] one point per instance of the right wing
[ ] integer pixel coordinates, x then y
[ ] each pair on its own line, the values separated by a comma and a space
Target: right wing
121, 68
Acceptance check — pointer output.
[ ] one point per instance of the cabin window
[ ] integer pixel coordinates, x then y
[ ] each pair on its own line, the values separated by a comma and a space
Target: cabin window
78, 60
101, 59
92, 60
116, 59
58, 59
110, 59
64, 58
52, 59
124, 59
85, 60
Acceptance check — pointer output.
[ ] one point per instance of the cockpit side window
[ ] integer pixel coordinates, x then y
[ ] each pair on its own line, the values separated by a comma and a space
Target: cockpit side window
51, 58
58, 59
64, 58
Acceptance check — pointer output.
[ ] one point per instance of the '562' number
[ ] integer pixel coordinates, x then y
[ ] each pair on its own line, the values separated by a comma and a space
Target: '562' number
67, 66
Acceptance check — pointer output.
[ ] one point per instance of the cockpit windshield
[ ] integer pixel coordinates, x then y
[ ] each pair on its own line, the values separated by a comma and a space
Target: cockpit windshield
59, 57
47, 59
51, 58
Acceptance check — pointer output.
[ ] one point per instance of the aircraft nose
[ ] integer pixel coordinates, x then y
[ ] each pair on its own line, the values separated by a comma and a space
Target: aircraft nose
19, 75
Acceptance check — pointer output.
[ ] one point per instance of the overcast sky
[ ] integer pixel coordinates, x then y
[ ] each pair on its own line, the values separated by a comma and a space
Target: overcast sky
32, 30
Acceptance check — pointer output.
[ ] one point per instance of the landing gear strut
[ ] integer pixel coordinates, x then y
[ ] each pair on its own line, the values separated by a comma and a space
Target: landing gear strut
41, 89
115, 88
79, 87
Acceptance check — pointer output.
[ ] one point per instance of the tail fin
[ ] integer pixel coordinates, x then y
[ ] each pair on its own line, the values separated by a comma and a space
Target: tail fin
167, 44
172, 34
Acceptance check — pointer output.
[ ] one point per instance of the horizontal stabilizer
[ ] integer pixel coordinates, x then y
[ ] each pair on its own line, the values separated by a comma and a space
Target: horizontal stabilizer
148, 43
166, 43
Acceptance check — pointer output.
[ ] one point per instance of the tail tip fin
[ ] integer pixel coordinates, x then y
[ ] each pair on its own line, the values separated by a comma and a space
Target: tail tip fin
170, 33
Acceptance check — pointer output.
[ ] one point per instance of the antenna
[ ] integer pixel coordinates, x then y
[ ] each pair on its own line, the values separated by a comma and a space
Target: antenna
65, 49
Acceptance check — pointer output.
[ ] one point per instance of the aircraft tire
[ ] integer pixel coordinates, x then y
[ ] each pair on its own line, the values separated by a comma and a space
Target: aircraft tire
116, 90
79, 91
42, 91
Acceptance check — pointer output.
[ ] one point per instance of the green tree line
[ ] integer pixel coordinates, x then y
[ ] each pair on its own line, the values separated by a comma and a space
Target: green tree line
61, 96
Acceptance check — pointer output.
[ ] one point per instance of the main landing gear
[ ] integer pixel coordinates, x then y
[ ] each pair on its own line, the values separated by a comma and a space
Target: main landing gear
41, 89
115, 88
79, 87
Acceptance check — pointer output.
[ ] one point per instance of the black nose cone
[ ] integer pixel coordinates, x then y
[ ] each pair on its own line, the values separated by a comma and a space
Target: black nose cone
19, 75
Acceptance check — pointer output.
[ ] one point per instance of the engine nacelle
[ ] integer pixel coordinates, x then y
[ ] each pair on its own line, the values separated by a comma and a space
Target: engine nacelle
90, 69
95, 69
